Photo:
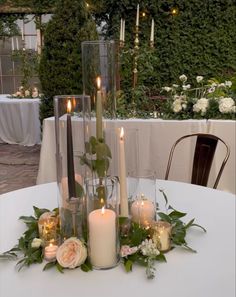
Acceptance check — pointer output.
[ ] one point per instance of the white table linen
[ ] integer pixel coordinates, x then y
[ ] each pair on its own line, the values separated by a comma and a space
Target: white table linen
19, 121
155, 139
210, 272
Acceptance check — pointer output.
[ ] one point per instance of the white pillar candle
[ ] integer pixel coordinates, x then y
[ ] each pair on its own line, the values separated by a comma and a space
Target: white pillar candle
50, 252
102, 238
124, 210
143, 211
152, 31
99, 110
137, 16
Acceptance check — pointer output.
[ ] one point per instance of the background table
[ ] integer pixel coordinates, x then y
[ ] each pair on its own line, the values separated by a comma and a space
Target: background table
155, 138
210, 272
19, 121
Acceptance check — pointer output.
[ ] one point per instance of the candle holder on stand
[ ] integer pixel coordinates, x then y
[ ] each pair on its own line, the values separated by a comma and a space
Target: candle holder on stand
72, 112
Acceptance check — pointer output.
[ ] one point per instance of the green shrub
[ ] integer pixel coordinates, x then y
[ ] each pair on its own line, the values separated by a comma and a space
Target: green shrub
60, 68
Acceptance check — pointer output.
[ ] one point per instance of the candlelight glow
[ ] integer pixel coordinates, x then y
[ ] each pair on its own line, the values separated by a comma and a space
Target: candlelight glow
143, 14
122, 133
103, 210
69, 106
98, 82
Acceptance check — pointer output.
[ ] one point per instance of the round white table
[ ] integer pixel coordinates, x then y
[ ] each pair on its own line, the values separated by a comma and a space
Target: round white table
19, 121
210, 272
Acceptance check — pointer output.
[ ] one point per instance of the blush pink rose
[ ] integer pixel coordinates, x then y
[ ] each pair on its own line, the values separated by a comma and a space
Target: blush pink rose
72, 253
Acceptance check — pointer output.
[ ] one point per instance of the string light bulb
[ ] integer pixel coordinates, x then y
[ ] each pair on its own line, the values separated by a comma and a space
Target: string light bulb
174, 11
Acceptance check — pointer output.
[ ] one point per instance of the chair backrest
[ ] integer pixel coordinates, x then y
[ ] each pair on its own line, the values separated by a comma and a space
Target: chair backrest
203, 156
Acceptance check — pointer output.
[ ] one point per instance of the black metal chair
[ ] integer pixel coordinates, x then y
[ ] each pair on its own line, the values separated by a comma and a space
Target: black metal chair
203, 157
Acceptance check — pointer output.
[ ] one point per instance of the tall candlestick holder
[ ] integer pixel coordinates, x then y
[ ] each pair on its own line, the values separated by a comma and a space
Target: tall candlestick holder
72, 113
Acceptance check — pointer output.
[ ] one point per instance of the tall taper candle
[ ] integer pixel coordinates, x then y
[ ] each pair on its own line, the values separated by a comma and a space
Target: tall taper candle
137, 16
124, 210
70, 155
121, 29
123, 32
152, 32
12, 44
23, 31
99, 110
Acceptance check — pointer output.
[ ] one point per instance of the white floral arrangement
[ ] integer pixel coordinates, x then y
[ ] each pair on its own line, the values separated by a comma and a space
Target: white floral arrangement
23, 92
212, 99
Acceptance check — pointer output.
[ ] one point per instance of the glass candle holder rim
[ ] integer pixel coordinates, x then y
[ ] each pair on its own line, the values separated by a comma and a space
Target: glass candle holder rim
95, 42
161, 224
81, 96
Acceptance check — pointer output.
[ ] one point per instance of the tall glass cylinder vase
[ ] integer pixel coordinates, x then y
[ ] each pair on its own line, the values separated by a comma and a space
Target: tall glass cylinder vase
99, 66
72, 114
103, 212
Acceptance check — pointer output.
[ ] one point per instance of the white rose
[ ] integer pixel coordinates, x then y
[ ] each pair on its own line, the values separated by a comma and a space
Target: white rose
175, 86
199, 79
36, 243
72, 253
18, 93
177, 106
183, 78
228, 83
27, 93
226, 105
167, 89
201, 106
222, 85
213, 85
186, 87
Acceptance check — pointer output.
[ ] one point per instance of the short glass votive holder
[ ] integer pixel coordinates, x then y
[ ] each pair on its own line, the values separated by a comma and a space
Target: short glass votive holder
103, 232
161, 235
143, 199
50, 250
48, 226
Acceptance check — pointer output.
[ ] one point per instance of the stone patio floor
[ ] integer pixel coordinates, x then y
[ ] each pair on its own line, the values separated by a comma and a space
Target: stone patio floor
18, 166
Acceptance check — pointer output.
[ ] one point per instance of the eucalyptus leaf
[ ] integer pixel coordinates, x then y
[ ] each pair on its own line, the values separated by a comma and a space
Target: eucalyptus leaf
128, 265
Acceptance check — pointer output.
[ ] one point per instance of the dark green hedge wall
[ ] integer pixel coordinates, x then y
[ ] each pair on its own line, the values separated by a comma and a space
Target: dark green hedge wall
200, 40
60, 68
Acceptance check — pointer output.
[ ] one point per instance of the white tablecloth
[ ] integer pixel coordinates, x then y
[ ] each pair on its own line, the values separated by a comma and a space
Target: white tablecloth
19, 121
155, 138
208, 273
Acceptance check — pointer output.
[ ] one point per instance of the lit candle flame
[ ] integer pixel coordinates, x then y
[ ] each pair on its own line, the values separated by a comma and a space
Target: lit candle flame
69, 106
122, 133
103, 210
98, 82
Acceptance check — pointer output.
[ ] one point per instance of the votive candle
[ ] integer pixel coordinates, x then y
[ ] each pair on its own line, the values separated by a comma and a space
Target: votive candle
143, 211
162, 235
50, 252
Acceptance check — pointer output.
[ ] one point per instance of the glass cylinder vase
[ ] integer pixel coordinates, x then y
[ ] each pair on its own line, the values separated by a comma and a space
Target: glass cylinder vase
103, 213
99, 66
72, 112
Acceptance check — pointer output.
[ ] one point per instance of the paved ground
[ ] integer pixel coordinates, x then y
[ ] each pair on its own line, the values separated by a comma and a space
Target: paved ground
18, 166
